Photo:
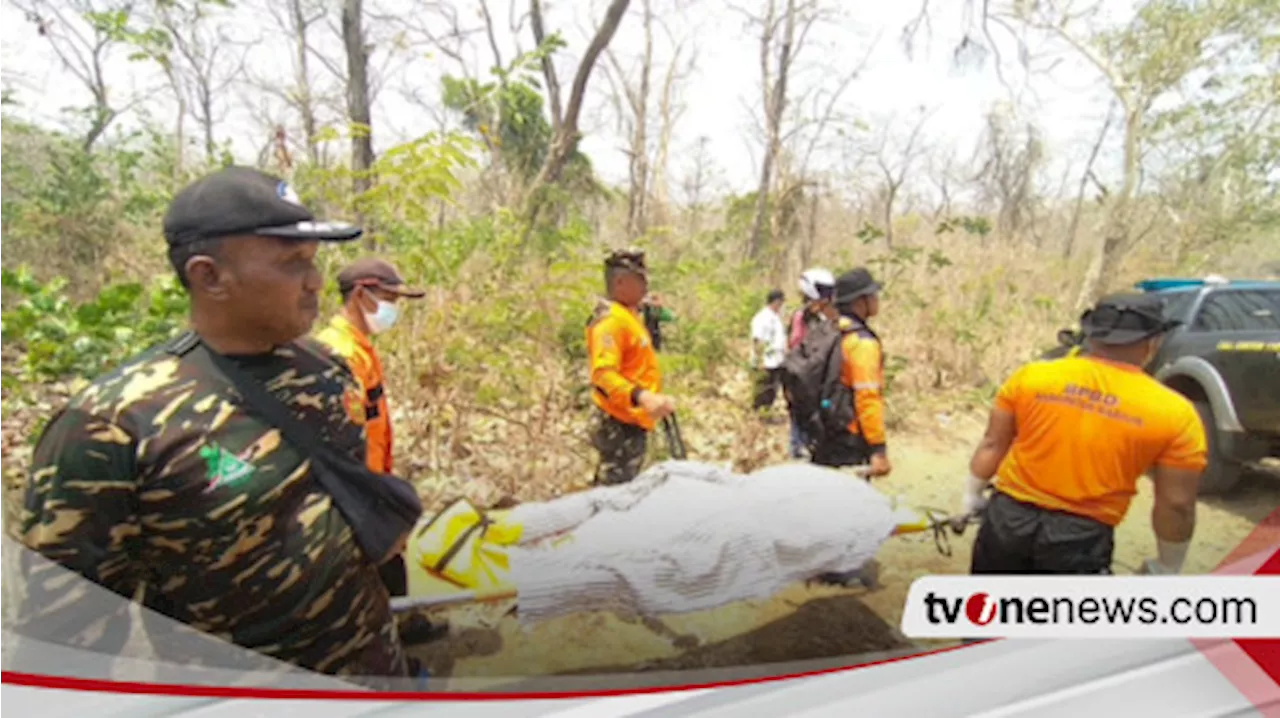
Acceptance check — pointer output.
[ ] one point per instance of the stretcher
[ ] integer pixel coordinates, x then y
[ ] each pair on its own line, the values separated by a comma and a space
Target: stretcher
457, 558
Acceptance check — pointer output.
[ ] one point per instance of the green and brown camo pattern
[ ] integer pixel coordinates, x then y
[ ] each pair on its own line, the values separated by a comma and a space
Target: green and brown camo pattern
155, 476
621, 447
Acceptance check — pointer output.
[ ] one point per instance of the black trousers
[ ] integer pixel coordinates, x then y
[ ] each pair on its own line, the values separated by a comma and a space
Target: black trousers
394, 576
842, 450
768, 381
1019, 538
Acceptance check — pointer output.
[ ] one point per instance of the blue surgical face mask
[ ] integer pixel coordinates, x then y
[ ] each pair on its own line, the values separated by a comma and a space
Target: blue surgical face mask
382, 318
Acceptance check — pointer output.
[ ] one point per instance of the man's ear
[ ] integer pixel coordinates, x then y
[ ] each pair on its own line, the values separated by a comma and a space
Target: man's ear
364, 298
207, 278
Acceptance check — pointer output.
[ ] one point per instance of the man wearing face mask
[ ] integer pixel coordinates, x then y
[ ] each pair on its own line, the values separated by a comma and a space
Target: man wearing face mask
1068, 440
371, 290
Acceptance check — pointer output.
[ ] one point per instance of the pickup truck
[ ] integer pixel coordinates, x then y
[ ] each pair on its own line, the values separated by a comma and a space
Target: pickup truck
1225, 358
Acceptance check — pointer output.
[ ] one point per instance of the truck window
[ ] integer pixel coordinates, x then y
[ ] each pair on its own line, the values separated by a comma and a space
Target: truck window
1176, 304
1239, 311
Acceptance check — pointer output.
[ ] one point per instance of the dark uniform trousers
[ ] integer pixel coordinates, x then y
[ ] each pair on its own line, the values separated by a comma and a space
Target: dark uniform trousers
1021, 538
395, 576
842, 450
767, 383
622, 449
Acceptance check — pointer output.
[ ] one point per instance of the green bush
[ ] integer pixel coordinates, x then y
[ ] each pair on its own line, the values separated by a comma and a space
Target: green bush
61, 339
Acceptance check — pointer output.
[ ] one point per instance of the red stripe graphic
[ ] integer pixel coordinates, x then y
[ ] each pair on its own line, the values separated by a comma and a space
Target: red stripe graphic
1252, 665
191, 691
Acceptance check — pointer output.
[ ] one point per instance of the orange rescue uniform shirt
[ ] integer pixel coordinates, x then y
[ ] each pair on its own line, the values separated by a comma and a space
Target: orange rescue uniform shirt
354, 347
622, 358
862, 370
1087, 429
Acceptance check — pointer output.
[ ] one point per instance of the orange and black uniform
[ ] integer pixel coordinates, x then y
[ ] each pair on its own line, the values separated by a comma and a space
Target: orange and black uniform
351, 345
1086, 430
623, 363
354, 347
862, 373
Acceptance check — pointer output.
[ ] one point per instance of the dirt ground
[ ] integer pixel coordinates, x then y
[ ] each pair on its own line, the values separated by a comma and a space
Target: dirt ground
805, 622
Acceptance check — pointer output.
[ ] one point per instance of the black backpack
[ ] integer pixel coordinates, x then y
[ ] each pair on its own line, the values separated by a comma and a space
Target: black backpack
820, 404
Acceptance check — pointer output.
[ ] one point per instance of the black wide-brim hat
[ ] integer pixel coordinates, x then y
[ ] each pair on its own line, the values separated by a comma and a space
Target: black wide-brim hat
853, 284
1121, 319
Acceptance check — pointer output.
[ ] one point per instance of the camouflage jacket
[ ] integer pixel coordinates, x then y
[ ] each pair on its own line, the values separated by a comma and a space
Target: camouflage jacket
156, 476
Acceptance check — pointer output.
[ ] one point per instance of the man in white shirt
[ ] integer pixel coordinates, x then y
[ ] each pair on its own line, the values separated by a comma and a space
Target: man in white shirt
769, 339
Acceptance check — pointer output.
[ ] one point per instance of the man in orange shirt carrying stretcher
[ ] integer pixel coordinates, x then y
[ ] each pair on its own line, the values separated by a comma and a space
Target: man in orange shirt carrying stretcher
625, 379
1068, 440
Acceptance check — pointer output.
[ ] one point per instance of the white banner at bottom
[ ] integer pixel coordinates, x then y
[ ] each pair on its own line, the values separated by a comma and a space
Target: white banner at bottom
1093, 607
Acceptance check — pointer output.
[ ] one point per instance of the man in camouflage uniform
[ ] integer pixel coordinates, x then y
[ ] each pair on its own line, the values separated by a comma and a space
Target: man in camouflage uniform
159, 476
625, 379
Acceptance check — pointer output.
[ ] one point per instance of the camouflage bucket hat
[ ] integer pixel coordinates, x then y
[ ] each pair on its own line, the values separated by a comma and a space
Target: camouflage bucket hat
630, 259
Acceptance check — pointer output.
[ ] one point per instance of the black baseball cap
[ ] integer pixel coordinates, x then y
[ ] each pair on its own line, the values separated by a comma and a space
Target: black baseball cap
1120, 319
245, 201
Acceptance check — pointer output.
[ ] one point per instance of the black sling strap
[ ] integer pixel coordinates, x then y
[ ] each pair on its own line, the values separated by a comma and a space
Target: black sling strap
675, 442
381, 509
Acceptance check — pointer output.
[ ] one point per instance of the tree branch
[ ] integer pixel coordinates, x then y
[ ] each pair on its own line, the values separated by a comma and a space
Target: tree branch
548, 67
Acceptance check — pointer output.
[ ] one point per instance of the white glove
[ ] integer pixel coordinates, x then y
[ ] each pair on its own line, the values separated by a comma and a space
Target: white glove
1171, 557
974, 498
1152, 567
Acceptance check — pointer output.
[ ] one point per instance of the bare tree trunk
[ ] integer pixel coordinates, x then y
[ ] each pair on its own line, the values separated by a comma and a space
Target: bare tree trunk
775, 106
891, 196
944, 205
358, 102
695, 186
1084, 181
566, 137
637, 196
305, 100
179, 122
548, 68
1118, 236
668, 114
206, 122
811, 234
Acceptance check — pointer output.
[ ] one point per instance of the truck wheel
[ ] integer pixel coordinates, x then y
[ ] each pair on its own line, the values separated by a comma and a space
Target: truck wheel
1221, 475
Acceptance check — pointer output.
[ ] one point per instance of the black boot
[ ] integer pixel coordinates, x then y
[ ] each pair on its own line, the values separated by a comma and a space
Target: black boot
417, 629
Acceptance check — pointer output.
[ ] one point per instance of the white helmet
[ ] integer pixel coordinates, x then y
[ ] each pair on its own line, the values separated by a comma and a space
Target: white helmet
817, 282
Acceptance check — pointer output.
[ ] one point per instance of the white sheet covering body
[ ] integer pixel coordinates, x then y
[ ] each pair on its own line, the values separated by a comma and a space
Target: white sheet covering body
686, 536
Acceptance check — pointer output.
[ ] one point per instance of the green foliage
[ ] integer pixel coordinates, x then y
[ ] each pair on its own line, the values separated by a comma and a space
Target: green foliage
61, 339
508, 116
869, 233
713, 312
980, 226
507, 113
1222, 143
412, 175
